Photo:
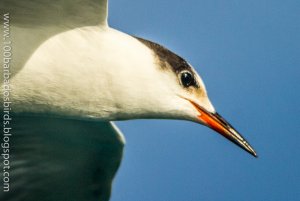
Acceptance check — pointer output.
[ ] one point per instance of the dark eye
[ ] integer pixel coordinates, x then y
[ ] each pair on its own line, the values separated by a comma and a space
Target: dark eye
187, 79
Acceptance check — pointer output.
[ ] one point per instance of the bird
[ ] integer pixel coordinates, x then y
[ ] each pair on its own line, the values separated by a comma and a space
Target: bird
71, 76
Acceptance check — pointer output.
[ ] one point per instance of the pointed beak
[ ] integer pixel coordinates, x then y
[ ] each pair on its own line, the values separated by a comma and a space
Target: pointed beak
220, 125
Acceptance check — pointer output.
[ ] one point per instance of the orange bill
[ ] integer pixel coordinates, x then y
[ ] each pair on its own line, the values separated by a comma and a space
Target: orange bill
220, 125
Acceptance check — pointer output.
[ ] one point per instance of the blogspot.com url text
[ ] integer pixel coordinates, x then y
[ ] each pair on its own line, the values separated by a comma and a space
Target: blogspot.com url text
6, 113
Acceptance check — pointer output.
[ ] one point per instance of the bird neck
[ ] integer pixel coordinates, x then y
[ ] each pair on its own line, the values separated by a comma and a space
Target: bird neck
89, 73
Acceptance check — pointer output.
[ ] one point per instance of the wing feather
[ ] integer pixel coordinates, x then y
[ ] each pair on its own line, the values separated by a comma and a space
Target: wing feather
54, 159
71, 13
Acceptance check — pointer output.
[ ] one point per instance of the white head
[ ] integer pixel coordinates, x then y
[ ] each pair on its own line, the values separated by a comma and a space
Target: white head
177, 92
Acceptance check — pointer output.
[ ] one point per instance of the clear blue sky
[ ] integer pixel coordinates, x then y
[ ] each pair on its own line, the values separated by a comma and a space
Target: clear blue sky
248, 53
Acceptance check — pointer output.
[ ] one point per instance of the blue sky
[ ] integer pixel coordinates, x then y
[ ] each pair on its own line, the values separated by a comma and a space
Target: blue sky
248, 54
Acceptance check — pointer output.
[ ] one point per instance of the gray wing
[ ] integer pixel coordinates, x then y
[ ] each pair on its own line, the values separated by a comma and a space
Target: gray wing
54, 159
31, 22
71, 13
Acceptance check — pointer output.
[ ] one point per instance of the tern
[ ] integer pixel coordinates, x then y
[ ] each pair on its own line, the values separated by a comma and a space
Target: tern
71, 75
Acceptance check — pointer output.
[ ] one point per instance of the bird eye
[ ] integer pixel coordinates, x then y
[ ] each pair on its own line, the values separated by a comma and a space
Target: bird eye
187, 79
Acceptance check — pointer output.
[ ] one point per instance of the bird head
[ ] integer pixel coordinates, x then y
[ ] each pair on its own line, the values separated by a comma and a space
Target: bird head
188, 96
